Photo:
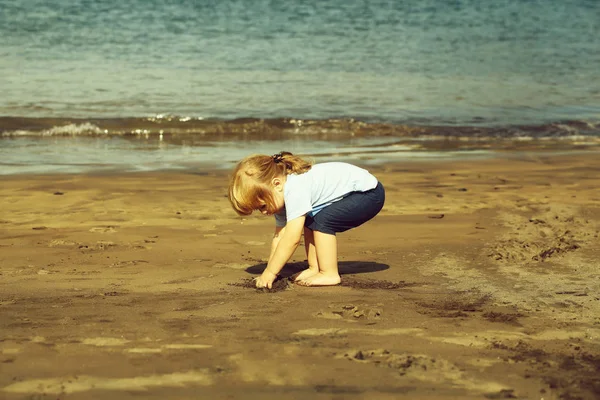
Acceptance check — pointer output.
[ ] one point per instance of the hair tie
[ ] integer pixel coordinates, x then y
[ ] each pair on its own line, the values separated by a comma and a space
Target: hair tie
277, 158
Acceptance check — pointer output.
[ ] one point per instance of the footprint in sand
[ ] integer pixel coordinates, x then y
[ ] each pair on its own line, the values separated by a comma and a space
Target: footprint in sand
60, 243
104, 229
351, 313
129, 263
425, 368
231, 265
100, 245
551, 232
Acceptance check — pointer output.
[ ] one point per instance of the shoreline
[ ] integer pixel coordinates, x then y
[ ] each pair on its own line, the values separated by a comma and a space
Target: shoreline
119, 158
478, 279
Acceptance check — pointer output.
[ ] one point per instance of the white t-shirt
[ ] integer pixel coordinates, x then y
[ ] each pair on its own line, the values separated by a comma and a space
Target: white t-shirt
323, 184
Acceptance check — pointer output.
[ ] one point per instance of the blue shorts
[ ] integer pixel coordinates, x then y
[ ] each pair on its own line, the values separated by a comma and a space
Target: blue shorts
353, 210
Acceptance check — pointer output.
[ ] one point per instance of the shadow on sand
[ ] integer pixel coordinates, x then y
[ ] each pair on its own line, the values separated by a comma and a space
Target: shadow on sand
285, 281
345, 267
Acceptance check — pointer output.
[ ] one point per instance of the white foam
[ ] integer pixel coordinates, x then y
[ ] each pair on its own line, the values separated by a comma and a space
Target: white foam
85, 129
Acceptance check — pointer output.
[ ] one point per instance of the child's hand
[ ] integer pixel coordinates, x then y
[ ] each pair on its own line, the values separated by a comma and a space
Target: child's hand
266, 279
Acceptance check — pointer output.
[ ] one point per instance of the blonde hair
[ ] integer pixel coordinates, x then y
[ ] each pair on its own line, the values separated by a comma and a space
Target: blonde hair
250, 184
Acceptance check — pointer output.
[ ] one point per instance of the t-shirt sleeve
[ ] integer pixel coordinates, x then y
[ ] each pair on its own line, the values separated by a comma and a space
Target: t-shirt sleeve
298, 197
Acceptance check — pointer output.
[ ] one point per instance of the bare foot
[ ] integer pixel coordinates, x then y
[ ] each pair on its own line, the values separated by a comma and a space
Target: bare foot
307, 273
321, 279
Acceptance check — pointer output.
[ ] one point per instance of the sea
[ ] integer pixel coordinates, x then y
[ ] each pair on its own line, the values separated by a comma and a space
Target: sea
146, 85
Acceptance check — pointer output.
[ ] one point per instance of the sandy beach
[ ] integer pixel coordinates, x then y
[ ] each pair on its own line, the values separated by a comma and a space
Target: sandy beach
479, 279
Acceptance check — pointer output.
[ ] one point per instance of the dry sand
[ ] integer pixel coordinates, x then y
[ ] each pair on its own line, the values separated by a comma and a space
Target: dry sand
479, 279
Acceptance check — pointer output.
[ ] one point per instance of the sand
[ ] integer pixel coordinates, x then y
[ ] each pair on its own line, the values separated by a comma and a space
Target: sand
479, 279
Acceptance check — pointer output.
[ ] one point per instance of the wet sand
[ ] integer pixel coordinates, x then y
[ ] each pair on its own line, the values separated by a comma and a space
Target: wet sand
479, 279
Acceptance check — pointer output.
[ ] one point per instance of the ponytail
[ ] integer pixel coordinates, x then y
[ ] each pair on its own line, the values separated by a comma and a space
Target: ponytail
291, 164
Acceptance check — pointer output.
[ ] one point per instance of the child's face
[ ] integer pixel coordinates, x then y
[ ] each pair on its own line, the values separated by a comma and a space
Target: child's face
279, 203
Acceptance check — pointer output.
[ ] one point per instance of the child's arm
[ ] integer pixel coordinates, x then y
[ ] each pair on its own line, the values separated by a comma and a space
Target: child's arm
279, 232
282, 248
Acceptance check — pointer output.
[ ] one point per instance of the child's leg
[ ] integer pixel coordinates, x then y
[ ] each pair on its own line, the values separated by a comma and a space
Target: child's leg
326, 251
311, 256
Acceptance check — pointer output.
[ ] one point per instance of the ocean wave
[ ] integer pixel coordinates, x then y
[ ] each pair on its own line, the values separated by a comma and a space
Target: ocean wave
285, 128
84, 129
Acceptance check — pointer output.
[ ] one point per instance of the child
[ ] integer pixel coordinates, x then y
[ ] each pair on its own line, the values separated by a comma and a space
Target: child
318, 200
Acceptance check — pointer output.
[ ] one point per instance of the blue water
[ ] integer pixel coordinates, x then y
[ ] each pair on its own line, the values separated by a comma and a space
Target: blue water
427, 62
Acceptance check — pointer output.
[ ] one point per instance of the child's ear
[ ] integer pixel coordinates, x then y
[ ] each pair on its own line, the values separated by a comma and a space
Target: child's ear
277, 183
